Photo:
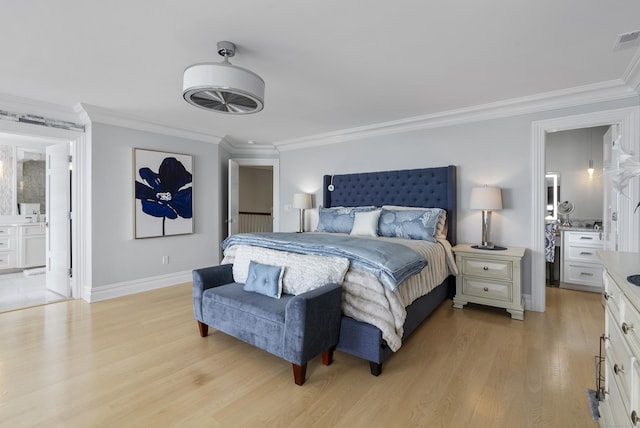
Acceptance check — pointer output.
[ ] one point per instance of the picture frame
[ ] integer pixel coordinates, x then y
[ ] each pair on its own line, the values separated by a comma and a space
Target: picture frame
163, 193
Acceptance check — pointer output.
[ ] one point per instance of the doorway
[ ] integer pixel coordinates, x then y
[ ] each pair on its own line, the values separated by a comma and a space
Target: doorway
37, 219
627, 121
254, 195
574, 174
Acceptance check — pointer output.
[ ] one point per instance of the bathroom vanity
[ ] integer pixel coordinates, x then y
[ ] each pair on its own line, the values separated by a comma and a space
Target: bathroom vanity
580, 266
22, 245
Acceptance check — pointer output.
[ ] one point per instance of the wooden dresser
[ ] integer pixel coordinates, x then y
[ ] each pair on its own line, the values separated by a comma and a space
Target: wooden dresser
621, 404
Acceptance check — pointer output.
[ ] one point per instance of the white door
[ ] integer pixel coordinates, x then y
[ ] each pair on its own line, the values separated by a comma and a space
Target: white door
58, 208
610, 206
234, 193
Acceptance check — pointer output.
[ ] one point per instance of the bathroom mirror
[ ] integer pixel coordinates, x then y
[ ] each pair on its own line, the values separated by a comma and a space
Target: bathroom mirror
22, 179
552, 194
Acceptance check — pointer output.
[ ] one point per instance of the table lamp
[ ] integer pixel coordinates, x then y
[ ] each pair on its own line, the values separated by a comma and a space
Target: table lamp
486, 199
301, 201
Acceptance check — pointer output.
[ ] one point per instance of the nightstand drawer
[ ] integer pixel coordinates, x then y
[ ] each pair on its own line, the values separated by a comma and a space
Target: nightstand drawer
486, 289
498, 269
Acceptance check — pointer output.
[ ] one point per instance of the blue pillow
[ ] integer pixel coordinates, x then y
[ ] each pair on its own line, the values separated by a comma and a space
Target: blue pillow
338, 219
411, 224
264, 279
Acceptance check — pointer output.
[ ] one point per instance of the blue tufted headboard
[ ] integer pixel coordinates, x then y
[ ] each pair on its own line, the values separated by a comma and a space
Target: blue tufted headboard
426, 187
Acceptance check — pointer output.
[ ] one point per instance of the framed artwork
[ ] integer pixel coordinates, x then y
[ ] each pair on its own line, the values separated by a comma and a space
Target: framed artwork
163, 188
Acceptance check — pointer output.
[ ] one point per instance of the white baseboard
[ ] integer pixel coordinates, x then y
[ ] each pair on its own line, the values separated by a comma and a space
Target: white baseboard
527, 302
137, 286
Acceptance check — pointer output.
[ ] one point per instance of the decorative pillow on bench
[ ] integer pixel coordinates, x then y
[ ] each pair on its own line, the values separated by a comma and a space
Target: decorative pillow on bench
264, 279
301, 272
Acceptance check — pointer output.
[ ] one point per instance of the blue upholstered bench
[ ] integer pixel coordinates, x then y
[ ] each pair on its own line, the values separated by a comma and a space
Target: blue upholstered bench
295, 328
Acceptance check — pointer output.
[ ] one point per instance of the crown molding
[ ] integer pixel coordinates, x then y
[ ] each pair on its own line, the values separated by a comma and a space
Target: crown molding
243, 149
89, 112
632, 74
22, 105
572, 97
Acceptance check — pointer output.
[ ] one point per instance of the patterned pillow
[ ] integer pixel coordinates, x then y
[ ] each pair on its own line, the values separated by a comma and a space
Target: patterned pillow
441, 230
338, 219
411, 224
264, 279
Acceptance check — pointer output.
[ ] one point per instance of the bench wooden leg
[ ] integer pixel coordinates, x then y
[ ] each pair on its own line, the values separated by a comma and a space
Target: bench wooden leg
204, 329
327, 356
376, 368
299, 373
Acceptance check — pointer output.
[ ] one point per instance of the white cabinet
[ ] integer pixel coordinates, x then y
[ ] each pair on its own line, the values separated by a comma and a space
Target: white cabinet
580, 263
621, 404
32, 245
489, 277
7, 247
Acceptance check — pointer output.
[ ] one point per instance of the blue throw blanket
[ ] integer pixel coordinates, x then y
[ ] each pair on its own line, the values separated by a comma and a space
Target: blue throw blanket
391, 263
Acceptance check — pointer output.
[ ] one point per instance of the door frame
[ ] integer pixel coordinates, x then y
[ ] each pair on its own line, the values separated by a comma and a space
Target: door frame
80, 231
628, 120
275, 165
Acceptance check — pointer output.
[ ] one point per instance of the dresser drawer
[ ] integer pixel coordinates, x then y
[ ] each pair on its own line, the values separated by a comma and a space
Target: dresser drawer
7, 260
582, 254
6, 231
487, 289
583, 274
619, 409
613, 296
6, 243
629, 325
497, 269
584, 238
620, 362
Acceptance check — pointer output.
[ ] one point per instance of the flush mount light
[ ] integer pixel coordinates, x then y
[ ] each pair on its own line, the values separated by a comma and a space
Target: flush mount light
222, 86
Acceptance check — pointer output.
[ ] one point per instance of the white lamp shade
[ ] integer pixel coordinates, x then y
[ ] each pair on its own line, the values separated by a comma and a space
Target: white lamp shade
485, 198
302, 201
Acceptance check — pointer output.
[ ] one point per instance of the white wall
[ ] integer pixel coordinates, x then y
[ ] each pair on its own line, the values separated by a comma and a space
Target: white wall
118, 258
495, 152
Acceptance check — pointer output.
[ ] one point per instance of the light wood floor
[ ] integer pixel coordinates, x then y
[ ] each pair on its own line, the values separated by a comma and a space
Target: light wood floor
139, 361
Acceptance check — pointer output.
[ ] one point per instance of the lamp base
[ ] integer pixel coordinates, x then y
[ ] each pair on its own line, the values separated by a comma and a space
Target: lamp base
488, 247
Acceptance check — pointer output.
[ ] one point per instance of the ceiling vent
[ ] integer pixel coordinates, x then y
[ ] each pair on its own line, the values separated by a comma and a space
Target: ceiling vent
222, 86
627, 40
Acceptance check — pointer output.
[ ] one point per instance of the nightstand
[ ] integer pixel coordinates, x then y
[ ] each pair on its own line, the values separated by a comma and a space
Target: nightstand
490, 277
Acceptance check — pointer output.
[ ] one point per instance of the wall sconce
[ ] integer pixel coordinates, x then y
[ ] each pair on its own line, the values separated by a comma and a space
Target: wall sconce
301, 201
486, 199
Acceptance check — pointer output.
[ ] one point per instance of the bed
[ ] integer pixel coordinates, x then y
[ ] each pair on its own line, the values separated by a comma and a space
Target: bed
367, 330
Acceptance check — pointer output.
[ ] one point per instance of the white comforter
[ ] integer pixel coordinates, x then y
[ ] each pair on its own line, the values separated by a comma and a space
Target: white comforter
364, 298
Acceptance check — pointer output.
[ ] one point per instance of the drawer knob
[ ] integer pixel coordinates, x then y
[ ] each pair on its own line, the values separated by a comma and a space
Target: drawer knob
486, 288
618, 369
626, 328
485, 268
606, 295
634, 418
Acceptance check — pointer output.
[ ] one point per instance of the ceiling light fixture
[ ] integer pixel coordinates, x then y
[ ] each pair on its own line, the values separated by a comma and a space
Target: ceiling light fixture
222, 86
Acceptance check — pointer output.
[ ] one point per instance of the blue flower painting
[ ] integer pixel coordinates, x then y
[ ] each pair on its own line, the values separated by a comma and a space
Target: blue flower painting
166, 206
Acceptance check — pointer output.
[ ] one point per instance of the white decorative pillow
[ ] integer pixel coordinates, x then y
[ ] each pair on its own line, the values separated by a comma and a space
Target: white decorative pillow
441, 228
366, 223
302, 272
